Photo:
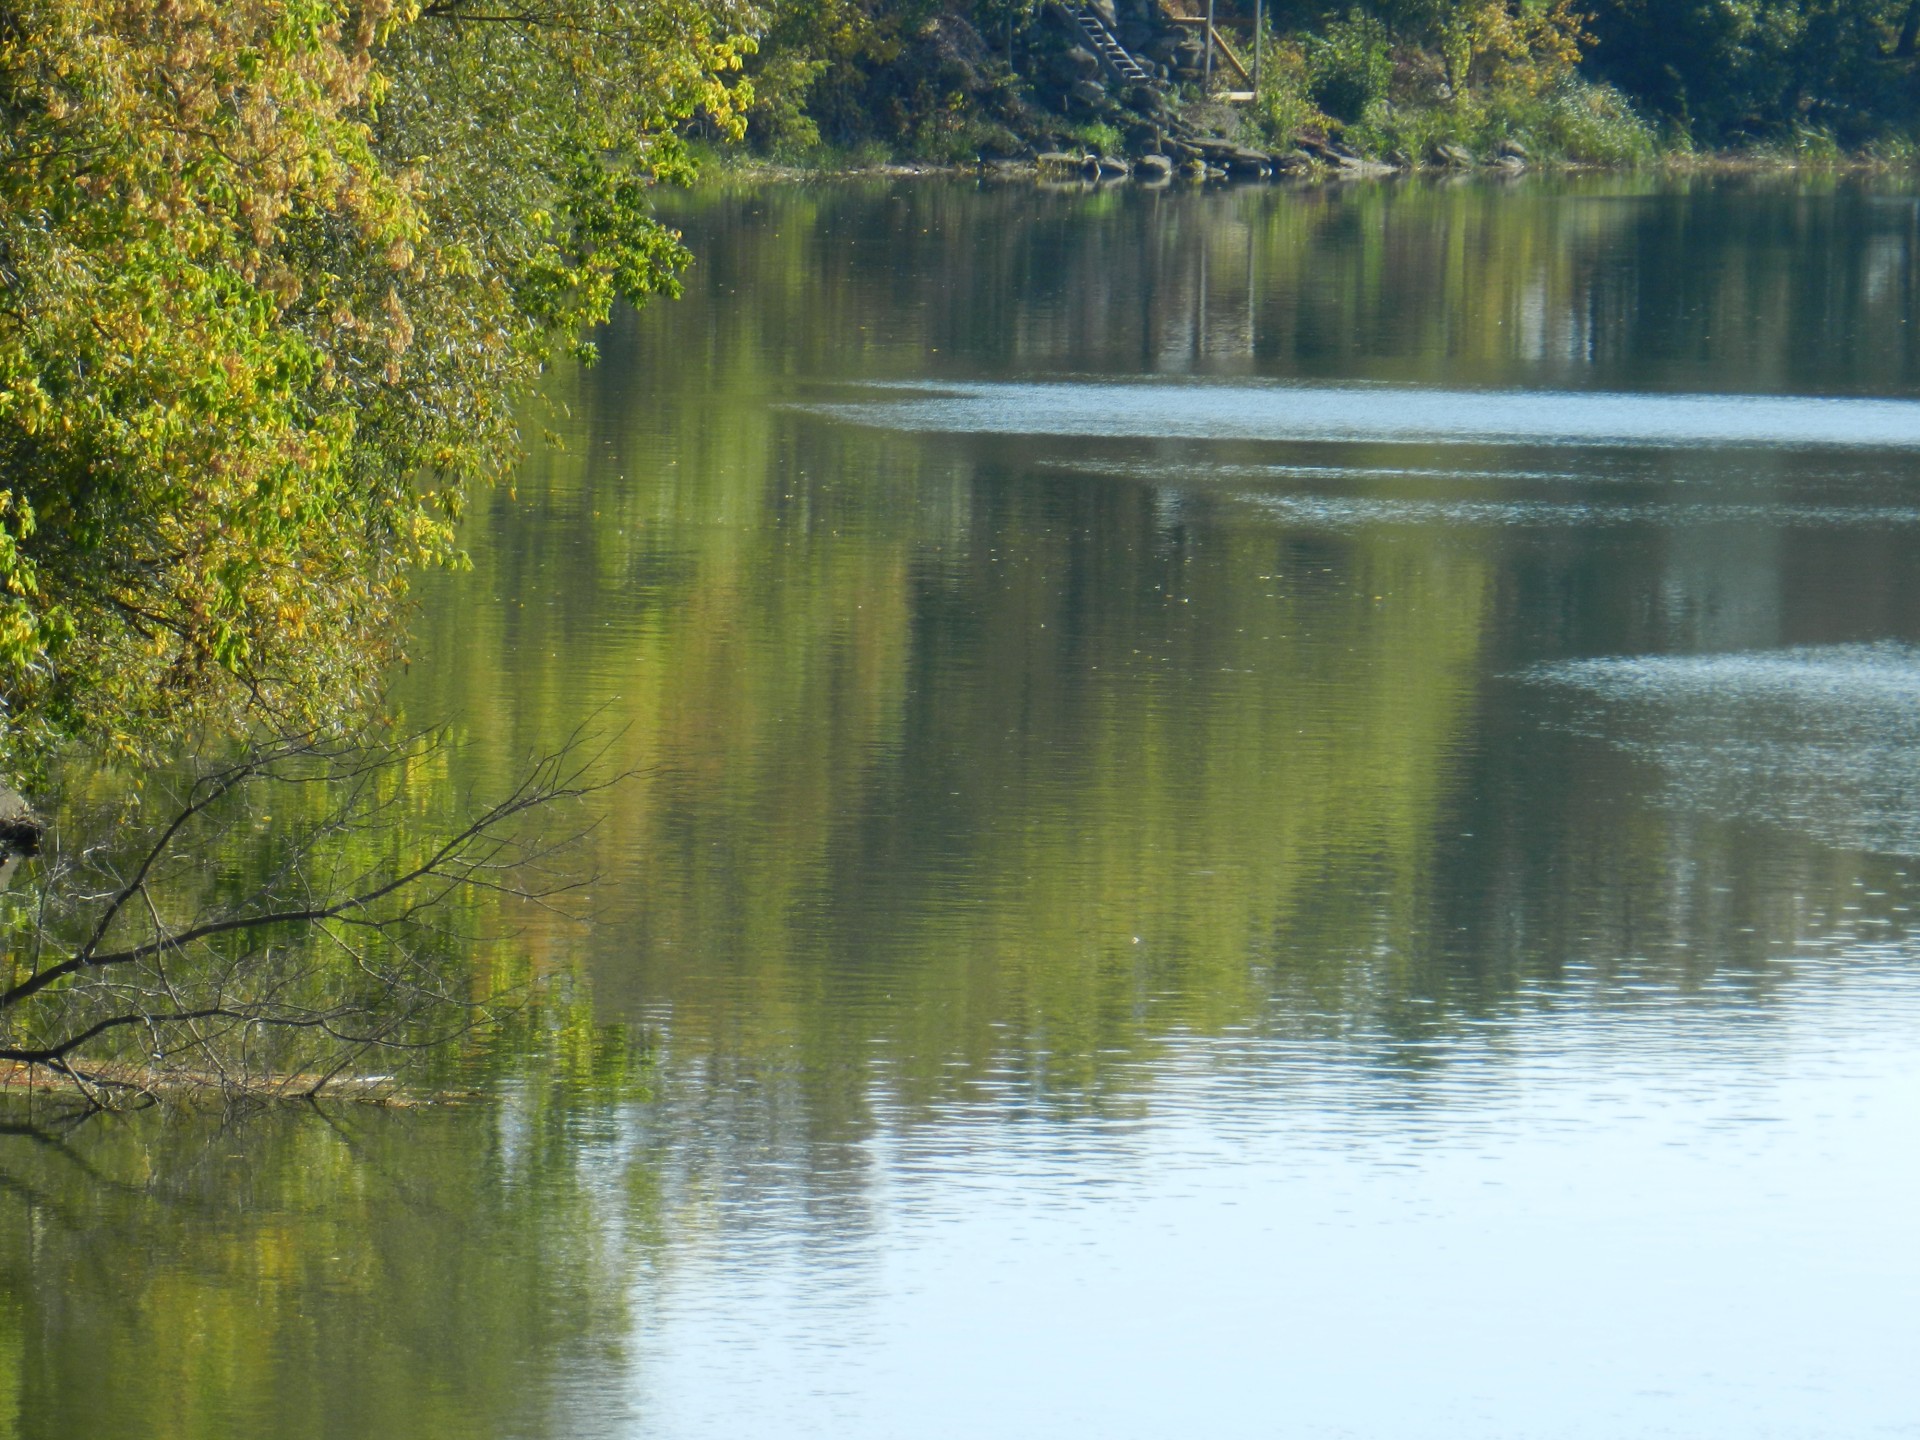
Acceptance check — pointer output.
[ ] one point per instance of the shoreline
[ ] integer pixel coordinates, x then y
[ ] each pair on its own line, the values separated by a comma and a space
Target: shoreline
718, 169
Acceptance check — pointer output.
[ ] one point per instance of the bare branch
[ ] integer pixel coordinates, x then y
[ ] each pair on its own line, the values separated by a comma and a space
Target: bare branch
326, 939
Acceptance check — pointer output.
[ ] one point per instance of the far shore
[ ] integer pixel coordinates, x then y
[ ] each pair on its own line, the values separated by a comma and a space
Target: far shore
724, 168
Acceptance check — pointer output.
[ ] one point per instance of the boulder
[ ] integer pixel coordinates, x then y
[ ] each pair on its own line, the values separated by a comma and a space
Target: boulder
1079, 63
1110, 168
1103, 11
997, 142
1326, 151
1510, 149
1153, 167
1452, 156
1089, 93
1146, 100
20, 832
20, 828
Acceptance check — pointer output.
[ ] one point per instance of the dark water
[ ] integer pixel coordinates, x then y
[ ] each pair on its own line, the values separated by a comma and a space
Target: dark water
1259, 814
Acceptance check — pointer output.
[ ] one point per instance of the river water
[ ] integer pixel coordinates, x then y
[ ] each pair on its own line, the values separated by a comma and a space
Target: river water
1257, 813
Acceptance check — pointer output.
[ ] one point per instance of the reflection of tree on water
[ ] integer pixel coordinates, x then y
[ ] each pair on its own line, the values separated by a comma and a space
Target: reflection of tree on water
277, 918
998, 780
1598, 283
293, 1274
936, 728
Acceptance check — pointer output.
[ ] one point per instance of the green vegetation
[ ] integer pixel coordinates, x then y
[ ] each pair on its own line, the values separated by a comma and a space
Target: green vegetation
1612, 82
275, 273
275, 279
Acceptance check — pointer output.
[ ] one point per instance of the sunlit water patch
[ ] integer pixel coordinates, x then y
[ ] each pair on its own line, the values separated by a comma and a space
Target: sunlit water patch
1586, 1223
1384, 413
1823, 740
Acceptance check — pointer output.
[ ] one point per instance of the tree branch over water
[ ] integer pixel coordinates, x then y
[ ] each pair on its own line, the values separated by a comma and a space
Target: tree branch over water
282, 916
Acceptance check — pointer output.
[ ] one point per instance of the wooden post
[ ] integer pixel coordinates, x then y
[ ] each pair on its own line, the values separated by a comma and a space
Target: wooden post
1259, 38
1206, 83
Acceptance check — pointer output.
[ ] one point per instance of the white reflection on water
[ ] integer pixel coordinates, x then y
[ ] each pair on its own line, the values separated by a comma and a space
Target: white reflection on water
1273, 411
1638, 1214
1823, 740
1330, 512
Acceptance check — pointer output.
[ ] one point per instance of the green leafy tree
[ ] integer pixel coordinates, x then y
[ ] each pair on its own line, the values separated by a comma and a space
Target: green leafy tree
272, 276
1736, 70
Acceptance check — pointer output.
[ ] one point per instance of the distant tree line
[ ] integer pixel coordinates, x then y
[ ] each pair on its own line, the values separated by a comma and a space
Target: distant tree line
1698, 73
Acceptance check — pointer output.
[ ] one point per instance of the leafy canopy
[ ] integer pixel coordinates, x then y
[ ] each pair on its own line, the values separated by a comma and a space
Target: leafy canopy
272, 276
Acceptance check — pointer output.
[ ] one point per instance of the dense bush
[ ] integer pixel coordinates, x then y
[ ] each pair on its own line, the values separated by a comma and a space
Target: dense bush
1575, 121
1728, 71
1350, 66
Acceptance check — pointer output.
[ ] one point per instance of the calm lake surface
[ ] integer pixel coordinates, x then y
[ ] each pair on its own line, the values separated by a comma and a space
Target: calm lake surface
1261, 813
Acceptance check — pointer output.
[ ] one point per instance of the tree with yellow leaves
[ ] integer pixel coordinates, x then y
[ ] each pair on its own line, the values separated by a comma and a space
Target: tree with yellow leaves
1511, 44
272, 276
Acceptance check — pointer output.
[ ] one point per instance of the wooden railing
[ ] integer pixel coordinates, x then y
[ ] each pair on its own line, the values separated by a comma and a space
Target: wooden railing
1179, 12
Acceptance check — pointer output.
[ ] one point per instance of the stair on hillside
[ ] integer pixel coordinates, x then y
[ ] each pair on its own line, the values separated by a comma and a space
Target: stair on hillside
1124, 66
1112, 53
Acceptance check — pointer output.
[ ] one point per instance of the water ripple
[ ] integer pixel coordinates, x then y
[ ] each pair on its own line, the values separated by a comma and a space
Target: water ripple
1823, 740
